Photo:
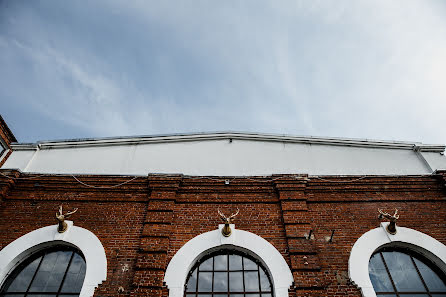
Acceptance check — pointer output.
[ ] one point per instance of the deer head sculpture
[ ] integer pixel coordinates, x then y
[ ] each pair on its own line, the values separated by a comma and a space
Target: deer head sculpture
226, 231
391, 228
61, 219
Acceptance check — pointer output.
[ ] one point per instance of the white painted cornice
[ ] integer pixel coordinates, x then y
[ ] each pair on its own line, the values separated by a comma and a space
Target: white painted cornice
229, 135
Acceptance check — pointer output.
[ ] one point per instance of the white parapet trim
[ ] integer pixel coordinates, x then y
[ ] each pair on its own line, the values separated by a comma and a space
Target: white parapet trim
183, 261
184, 137
373, 240
90, 246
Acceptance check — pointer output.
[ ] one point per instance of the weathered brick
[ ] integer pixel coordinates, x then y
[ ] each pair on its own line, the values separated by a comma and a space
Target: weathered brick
297, 230
294, 205
305, 262
295, 217
157, 230
142, 233
151, 261
161, 205
154, 244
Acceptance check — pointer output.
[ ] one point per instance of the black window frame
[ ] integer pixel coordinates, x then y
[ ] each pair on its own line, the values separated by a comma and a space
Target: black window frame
29, 259
228, 252
412, 254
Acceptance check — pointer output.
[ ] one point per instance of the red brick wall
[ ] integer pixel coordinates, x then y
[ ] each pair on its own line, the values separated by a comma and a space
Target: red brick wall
143, 223
7, 137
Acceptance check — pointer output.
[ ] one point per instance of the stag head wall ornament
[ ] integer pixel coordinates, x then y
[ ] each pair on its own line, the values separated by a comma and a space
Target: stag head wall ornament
226, 231
61, 219
391, 228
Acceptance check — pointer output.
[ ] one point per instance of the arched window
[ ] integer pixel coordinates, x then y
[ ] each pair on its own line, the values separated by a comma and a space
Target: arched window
377, 240
179, 275
401, 272
55, 271
228, 273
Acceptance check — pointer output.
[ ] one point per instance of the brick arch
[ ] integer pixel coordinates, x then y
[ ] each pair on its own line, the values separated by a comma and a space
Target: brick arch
194, 249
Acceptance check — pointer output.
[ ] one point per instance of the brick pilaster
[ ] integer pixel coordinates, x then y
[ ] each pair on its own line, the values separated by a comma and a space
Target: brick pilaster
151, 262
305, 263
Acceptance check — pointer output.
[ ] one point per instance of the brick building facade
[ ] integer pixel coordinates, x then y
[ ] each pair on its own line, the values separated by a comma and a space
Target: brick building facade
142, 222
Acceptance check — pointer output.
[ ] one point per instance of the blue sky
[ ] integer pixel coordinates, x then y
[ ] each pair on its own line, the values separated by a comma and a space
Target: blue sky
365, 69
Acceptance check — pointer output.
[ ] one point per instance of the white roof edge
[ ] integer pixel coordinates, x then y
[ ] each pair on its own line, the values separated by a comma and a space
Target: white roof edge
229, 135
222, 177
24, 146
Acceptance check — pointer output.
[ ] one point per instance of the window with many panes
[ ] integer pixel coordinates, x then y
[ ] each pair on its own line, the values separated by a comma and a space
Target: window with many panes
59, 271
398, 272
228, 274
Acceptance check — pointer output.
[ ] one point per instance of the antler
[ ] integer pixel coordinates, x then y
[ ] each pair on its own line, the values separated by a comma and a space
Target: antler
226, 230
221, 215
382, 214
234, 214
225, 218
391, 227
62, 225
389, 216
60, 211
70, 213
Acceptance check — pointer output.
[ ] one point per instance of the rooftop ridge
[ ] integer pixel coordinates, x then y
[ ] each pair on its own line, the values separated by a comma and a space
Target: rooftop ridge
179, 137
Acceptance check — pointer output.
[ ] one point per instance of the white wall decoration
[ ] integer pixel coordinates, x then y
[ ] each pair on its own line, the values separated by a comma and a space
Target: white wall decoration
369, 242
194, 249
91, 247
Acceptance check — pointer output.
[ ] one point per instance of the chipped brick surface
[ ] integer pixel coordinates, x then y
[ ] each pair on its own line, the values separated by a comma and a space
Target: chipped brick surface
143, 223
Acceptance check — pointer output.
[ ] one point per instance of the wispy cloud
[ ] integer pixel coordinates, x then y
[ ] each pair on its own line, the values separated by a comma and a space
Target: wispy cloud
370, 69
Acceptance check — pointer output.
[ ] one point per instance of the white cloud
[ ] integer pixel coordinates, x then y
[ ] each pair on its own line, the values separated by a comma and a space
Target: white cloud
369, 69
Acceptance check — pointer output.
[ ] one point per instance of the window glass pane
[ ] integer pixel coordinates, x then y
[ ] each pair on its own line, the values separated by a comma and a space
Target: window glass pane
46, 271
432, 280
22, 280
235, 262
249, 264
75, 275
235, 281
403, 272
231, 275
221, 262
207, 265
51, 271
205, 282
264, 281
220, 281
192, 283
378, 275
252, 281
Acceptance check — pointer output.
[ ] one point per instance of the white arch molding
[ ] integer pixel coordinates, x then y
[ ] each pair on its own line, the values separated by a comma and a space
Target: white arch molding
94, 253
194, 249
369, 242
